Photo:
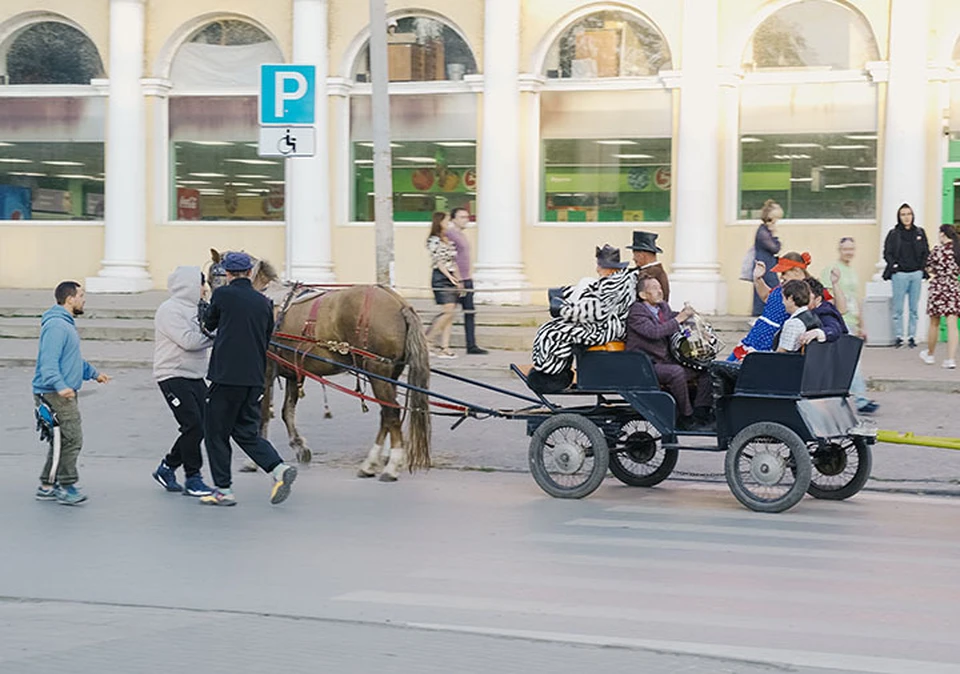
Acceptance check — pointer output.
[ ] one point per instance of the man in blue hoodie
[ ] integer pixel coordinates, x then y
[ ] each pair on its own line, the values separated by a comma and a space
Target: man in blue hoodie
60, 373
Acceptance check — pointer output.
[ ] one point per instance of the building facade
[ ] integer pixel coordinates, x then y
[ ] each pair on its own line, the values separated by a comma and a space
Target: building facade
128, 132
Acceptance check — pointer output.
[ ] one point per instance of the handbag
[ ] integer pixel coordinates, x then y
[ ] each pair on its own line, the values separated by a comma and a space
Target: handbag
555, 298
746, 267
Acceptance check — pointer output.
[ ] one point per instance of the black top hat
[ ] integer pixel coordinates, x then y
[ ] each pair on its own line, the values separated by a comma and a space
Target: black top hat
608, 257
645, 241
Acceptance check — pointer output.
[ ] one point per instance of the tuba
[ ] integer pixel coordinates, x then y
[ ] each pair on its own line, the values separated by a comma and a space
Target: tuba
695, 345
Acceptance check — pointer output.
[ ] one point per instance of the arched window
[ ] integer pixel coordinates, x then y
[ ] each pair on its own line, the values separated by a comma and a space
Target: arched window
421, 49
811, 146
608, 44
433, 134
214, 164
51, 146
812, 34
606, 154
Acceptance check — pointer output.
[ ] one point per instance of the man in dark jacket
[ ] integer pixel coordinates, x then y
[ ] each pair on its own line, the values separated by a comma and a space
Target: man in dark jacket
645, 250
243, 319
905, 251
650, 325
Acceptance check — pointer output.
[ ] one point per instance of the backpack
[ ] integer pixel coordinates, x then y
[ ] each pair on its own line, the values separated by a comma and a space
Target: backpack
746, 267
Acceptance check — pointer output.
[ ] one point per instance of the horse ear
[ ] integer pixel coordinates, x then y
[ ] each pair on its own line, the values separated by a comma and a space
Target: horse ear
214, 255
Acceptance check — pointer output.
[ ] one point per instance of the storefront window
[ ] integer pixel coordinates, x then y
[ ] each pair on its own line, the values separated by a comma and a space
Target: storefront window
61, 176
813, 176
421, 49
50, 52
812, 33
606, 156
608, 44
215, 171
434, 155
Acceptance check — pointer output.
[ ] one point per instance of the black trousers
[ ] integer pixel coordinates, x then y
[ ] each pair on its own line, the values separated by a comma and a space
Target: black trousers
234, 412
185, 399
469, 314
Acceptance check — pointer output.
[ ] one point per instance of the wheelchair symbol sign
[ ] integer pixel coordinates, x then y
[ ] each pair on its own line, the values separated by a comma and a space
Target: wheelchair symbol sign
287, 141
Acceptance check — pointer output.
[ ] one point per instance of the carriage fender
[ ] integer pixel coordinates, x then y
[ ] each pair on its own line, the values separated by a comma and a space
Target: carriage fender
828, 417
657, 407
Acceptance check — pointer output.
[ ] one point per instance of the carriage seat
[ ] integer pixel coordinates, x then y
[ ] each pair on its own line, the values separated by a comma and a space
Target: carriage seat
609, 346
823, 370
609, 370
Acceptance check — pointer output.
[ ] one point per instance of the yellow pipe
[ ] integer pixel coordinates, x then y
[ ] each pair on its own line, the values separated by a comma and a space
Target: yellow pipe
922, 440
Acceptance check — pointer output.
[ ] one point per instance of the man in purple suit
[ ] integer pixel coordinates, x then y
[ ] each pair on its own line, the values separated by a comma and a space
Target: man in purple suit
650, 325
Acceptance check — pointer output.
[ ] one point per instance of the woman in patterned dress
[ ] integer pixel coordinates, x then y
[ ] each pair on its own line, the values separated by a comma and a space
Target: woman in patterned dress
593, 312
790, 266
943, 295
445, 282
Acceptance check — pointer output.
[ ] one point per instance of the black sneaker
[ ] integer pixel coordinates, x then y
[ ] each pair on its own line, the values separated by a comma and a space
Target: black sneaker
912, 343
477, 351
898, 342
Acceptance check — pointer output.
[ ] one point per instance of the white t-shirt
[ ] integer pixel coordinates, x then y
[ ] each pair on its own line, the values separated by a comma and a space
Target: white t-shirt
793, 329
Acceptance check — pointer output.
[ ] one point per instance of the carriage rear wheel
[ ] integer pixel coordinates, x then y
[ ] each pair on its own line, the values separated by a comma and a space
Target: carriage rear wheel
768, 467
640, 459
568, 456
840, 469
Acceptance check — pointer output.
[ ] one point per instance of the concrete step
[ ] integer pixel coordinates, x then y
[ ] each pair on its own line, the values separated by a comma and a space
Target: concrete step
114, 329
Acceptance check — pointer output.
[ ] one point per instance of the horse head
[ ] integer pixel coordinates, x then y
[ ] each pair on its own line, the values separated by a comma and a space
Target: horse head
261, 276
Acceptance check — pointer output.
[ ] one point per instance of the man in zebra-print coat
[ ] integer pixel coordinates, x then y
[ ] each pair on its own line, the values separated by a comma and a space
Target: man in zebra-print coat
593, 311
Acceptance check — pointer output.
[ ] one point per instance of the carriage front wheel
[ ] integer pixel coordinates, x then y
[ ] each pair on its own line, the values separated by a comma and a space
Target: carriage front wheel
840, 468
768, 467
569, 456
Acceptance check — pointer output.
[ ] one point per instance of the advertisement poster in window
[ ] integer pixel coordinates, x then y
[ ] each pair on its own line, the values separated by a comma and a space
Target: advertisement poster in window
93, 205
188, 204
14, 203
52, 201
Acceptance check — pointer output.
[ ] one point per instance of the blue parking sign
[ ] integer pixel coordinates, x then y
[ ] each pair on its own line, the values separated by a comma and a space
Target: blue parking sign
287, 94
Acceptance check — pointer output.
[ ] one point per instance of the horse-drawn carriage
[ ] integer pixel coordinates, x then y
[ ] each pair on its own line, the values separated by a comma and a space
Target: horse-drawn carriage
787, 428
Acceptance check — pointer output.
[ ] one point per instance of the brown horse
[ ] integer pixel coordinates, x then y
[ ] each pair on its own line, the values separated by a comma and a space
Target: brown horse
369, 327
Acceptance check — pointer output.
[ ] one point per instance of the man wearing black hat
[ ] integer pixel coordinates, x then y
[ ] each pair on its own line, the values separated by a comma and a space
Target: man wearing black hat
645, 251
243, 319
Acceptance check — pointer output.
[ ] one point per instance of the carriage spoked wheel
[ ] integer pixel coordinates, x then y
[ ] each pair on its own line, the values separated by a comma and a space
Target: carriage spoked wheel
568, 456
768, 467
840, 469
639, 459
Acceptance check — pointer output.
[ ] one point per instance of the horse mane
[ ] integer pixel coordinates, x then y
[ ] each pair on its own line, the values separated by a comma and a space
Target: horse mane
268, 270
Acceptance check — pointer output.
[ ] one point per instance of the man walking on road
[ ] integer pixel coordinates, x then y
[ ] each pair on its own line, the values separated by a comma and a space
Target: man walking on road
459, 219
179, 363
243, 319
60, 373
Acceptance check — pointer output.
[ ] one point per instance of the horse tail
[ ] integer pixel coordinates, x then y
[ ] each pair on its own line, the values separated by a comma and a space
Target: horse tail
417, 354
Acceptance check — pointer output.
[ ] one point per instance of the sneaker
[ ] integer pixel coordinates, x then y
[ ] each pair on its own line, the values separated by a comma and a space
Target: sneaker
912, 343
166, 477
477, 351
281, 488
218, 498
898, 342
69, 495
927, 358
870, 407
45, 493
950, 364
195, 486
449, 355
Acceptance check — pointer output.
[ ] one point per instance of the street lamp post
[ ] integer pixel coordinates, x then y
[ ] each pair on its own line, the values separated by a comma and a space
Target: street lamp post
382, 178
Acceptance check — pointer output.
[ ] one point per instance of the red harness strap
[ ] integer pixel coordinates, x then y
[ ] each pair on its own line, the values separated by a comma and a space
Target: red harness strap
309, 326
363, 320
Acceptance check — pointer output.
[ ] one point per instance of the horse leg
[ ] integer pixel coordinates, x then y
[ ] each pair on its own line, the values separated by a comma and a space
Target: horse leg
398, 457
289, 415
373, 464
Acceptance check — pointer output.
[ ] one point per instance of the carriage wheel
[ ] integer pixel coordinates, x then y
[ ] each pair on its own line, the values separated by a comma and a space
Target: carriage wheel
640, 459
768, 467
568, 456
840, 469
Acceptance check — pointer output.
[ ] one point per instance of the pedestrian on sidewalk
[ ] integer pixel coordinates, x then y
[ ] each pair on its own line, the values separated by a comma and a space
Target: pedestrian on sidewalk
905, 251
179, 363
843, 282
446, 284
943, 297
60, 373
645, 250
459, 219
766, 247
243, 319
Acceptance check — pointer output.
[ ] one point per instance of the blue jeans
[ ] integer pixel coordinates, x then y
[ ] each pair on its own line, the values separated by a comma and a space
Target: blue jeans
858, 388
906, 284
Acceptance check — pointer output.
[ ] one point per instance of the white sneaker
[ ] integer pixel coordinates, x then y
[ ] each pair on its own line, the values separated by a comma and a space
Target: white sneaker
927, 358
950, 364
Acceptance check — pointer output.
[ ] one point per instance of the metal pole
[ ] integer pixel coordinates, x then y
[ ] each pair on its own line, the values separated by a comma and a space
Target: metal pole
382, 172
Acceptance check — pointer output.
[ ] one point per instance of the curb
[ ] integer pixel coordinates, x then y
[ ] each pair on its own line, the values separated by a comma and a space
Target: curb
883, 384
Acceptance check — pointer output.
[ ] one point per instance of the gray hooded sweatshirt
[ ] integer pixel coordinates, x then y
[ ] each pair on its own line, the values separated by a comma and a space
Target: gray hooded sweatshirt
181, 347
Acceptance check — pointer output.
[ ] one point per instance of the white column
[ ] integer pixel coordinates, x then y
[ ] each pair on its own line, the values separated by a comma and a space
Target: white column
124, 264
308, 178
903, 168
499, 253
695, 273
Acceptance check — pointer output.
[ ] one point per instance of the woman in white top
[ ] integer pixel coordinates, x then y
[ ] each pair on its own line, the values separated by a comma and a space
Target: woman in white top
445, 282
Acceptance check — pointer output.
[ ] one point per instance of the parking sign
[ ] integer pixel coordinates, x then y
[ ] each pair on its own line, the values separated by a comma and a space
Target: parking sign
287, 94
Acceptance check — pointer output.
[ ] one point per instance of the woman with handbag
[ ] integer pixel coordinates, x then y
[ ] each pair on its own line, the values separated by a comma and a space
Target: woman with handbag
445, 281
943, 297
905, 251
766, 247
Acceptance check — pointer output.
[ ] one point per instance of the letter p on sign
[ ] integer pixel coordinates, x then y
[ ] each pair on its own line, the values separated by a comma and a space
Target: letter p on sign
287, 94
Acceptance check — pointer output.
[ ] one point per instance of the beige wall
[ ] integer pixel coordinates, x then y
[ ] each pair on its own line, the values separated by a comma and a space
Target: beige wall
40, 256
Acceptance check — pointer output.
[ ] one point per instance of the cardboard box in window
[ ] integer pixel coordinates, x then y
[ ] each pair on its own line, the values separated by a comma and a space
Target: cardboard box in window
404, 62
402, 38
432, 60
603, 47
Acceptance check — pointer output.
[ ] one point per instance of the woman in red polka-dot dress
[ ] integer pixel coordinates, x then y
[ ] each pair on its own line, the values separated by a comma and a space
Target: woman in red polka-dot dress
943, 295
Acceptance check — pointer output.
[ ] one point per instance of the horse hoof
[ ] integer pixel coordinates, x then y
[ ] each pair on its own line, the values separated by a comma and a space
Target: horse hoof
387, 477
304, 455
364, 474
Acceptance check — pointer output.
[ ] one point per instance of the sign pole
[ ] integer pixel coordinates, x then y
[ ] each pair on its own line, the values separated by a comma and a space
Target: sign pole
382, 172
